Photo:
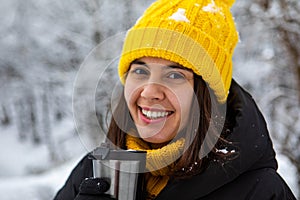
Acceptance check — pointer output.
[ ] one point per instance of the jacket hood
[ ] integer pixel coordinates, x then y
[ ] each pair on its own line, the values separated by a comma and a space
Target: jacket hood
252, 139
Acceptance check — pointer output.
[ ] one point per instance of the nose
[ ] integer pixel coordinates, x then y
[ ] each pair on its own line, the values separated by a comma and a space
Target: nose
153, 91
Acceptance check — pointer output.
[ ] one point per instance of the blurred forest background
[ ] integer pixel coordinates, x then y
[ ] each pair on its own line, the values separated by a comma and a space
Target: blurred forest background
44, 43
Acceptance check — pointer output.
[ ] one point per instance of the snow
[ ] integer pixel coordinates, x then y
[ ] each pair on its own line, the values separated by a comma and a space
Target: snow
287, 171
25, 168
225, 151
211, 8
179, 16
23, 157
36, 187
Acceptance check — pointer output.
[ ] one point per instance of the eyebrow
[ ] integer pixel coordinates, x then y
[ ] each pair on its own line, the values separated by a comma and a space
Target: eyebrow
139, 62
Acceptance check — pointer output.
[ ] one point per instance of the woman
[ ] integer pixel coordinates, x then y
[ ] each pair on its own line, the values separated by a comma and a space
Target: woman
204, 135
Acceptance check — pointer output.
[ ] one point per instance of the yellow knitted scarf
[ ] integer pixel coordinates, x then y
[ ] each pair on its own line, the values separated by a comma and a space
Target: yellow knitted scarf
159, 162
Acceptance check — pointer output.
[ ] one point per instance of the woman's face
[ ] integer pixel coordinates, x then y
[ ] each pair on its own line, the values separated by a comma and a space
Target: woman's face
159, 95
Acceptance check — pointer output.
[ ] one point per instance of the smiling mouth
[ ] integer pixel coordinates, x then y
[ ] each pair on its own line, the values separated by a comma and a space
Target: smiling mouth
155, 114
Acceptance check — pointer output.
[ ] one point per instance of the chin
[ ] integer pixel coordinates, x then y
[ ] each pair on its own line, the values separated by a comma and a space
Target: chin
156, 140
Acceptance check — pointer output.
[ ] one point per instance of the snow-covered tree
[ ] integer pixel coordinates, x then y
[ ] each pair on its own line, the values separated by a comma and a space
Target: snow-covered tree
270, 34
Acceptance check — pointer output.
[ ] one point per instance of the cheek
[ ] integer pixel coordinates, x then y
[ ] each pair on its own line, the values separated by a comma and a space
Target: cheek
183, 103
130, 93
187, 98
183, 99
127, 93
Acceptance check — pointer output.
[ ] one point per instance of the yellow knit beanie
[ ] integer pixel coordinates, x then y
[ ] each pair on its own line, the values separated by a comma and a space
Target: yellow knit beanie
197, 34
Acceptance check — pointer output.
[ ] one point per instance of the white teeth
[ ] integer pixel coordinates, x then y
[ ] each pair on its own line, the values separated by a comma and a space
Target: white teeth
154, 114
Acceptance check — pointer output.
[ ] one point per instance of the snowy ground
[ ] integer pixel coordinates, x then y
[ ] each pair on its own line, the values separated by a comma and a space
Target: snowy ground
35, 187
18, 159
26, 171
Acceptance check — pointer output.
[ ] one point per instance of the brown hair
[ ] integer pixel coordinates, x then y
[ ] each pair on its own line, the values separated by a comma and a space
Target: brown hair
199, 129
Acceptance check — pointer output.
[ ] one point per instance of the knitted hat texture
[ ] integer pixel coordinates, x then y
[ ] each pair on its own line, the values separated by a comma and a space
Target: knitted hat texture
197, 34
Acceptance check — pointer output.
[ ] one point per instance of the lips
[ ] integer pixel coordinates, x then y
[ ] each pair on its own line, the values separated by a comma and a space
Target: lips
154, 114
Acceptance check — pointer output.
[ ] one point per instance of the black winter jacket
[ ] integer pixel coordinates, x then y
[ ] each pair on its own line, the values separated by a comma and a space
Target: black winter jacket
252, 175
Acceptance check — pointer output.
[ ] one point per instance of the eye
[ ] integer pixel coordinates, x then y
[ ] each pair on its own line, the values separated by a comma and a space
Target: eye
139, 71
176, 75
